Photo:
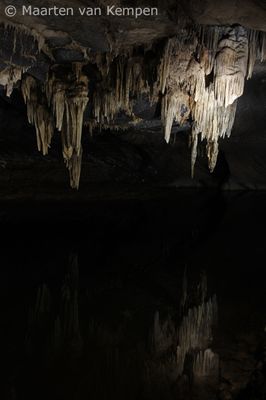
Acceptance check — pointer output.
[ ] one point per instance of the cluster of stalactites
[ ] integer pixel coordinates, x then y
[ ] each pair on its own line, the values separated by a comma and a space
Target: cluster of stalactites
19, 48
9, 77
174, 81
116, 94
195, 332
202, 74
263, 47
62, 105
38, 114
68, 100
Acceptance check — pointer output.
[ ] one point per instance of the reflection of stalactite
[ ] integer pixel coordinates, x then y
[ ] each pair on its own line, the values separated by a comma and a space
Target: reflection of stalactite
195, 331
39, 320
163, 334
70, 289
43, 302
185, 349
57, 335
206, 364
63, 330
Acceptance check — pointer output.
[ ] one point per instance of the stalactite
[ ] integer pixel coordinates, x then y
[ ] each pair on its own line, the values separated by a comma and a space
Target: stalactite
204, 74
200, 76
230, 67
9, 77
20, 35
174, 82
69, 99
263, 46
174, 108
116, 94
253, 40
208, 43
194, 147
19, 47
38, 114
165, 66
74, 167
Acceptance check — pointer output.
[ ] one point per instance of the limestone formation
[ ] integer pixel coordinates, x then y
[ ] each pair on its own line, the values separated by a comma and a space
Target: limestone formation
198, 78
207, 87
38, 114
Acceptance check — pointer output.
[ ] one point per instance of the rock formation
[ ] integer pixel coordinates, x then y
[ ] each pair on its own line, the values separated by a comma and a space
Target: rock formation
195, 74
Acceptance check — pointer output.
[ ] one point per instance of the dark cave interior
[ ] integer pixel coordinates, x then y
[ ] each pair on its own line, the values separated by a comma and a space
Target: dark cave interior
132, 202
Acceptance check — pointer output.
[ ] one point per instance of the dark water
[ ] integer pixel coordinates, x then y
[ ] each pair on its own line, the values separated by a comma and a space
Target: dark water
131, 258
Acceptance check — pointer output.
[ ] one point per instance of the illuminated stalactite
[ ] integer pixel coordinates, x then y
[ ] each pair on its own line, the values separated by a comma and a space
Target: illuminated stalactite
200, 76
263, 46
123, 81
26, 45
68, 100
64, 102
207, 86
38, 114
9, 77
174, 80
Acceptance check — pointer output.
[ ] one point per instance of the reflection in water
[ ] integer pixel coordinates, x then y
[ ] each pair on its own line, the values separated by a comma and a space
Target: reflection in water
116, 314
70, 352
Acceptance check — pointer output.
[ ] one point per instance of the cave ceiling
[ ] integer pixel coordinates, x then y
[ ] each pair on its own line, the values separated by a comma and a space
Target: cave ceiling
191, 61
